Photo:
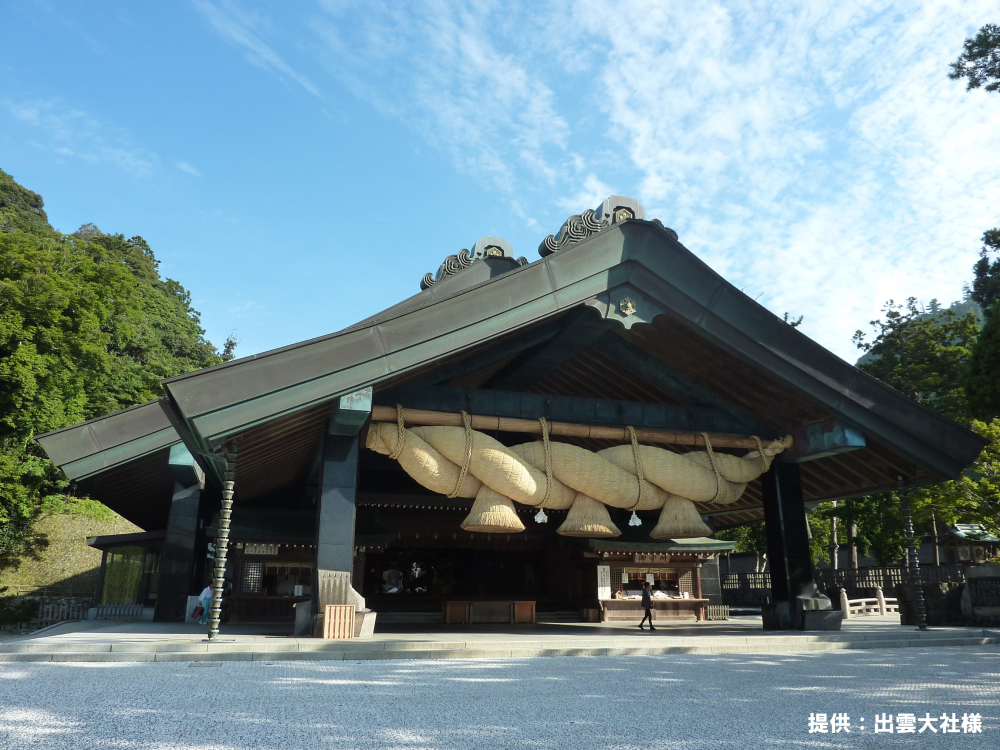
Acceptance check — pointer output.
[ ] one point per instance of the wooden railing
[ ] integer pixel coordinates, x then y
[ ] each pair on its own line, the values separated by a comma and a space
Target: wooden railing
880, 605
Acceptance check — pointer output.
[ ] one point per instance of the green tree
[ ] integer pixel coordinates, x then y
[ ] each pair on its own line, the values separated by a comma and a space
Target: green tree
972, 498
985, 287
982, 377
920, 355
87, 326
979, 62
879, 523
749, 538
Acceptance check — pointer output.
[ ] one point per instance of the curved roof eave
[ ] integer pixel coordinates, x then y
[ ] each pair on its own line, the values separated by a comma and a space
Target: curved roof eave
636, 254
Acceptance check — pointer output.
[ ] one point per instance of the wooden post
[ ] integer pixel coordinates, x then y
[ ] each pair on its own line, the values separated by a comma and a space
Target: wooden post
787, 540
222, 540
99, 593
177, 564
934, 540
335, 516
697, 592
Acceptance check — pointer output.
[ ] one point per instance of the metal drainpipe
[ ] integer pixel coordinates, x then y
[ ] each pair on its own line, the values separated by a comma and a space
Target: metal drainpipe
916, 583
222, 540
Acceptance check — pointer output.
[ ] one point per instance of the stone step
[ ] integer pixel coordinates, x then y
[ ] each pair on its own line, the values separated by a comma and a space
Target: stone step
369, 650
69, 645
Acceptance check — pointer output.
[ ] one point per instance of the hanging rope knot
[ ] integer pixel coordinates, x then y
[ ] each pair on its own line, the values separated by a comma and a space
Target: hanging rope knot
548, 461
718, 474
467, 421
638, 467
766, 459
400, 433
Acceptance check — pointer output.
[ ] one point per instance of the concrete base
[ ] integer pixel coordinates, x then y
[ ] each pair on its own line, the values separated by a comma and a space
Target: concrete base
88, 641
822, 619
364, 624
303, 619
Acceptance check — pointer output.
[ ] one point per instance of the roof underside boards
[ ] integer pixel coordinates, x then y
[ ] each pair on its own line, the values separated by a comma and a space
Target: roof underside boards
99, 444
139, 490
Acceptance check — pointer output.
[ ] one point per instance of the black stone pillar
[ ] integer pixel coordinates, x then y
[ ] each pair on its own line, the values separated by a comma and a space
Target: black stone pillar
335, 522
177, 565
787, 542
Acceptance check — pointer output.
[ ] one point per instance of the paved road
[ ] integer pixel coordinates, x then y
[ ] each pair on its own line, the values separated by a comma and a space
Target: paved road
685, 702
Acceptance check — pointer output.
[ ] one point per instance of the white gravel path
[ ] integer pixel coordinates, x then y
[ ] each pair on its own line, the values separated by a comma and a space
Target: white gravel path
692, 701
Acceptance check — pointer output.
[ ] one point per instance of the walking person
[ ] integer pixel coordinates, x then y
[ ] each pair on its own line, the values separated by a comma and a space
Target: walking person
205, 602
647, 604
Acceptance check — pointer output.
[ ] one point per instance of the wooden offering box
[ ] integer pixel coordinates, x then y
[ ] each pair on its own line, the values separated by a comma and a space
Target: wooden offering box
488, 612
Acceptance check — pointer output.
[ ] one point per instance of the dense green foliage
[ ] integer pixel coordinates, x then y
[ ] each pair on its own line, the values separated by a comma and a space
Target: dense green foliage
972, 498
986, 273
87, 326
922, 355
982, 379
979, 62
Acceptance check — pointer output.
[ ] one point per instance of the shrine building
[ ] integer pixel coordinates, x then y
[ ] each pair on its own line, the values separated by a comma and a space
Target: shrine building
517, 439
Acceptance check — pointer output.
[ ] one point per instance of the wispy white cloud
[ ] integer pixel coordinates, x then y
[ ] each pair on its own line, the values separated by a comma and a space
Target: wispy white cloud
590, 195
72, 133
816, 154
241, 28
457, 74
185, 167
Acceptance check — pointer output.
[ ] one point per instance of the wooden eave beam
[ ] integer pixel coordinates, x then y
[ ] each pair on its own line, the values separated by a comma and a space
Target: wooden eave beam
534, 427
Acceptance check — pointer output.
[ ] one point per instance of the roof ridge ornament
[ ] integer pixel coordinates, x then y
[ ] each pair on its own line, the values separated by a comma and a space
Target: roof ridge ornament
614, 210
485, 247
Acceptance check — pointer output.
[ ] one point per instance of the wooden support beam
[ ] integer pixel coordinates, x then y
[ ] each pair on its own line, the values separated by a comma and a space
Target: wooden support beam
564, 429
573, 410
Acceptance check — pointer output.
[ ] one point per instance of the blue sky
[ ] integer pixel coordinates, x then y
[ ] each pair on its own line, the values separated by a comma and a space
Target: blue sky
299, 166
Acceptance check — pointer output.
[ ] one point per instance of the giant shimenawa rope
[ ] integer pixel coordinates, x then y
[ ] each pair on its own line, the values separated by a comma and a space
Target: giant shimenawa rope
461, 462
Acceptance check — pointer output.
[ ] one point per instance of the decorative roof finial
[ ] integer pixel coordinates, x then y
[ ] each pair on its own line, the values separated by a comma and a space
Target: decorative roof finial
614, 210
485, 247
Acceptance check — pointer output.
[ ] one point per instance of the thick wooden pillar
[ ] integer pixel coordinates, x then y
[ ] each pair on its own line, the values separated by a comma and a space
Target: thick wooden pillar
177, 565
335, 523
787, 540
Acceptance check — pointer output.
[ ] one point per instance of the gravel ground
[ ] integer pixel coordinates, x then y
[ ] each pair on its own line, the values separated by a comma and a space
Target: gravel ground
694, 701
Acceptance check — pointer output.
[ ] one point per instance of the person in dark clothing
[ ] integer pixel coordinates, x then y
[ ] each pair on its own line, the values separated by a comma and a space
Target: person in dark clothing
647, 604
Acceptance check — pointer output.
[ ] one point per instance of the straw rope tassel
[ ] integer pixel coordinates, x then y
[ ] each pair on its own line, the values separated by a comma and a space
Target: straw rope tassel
635, 520
540, 516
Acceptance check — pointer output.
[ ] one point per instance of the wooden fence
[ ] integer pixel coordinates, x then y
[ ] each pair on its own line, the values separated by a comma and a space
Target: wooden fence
750, 588
50, 613
120, 612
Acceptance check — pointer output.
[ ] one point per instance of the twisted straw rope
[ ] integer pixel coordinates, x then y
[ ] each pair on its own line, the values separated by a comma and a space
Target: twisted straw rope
400, 433
711, 457
638, 468
548, 462
467, 421
760, 448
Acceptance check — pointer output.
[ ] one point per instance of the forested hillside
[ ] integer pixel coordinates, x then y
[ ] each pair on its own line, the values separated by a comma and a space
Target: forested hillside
87, 326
